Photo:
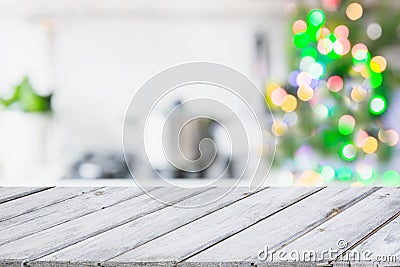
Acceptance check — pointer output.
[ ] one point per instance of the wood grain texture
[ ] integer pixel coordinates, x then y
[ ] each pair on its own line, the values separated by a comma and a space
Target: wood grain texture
123, 227
284, 226
203, 233
58, 237
11, 193
137, 232
351, 225
87, 202
383, 245
32, 202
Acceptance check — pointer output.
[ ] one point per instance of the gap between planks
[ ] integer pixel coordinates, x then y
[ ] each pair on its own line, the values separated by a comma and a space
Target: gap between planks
19, 192
172, 217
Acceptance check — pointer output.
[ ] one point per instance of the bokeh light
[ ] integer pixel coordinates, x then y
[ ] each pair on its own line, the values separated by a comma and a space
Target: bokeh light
325, 45
341, 47
358, 94
331, 5
289, 103
327, 173
293, 78
370, 145
360, 52
279, 128
390, 137
310, 52
321, 33
375, 80
391, 178
321, 111
378, 64
344, 173
299, 26
309, 178
304, 78
277, 96
305, 93
342, 31
354, 11
377, 105
348, 152
306, 62
360, 137
315, 83
365, 171
346, 124
374, 31
316, 70
301, 39
335, 83
290, 118
316, 17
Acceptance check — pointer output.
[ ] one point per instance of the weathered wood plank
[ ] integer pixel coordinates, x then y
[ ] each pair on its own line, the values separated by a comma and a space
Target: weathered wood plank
204, 232
284, 226
11, 193
384, 246
61, 236
39, 200
346, 229
44, 218
137, 232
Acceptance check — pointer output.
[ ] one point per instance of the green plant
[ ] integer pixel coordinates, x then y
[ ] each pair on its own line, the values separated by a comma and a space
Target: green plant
26, 99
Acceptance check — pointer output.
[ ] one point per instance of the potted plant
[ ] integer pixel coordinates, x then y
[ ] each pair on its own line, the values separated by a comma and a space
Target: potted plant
25, 118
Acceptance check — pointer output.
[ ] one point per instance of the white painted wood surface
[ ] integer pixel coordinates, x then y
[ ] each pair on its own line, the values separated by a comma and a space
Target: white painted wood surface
30, 203
285, 226
11, 193
88, 202
125, 227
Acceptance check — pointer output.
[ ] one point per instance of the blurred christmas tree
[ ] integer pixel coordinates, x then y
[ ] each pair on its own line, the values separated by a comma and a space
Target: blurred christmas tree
328, 117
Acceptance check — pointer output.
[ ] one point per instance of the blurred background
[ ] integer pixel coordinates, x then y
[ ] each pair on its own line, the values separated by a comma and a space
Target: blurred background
330, 71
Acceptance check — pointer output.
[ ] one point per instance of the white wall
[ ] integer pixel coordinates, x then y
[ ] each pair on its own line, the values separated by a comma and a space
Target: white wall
104, 50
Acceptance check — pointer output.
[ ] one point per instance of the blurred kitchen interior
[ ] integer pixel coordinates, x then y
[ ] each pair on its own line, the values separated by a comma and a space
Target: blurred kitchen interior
92, 55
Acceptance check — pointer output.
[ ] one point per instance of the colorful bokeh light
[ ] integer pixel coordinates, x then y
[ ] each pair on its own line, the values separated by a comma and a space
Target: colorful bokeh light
348, 152
305, 93
390, 137
375, 80
342, 31
304, 78
344, 173
354, 11
377, 105
370, 145
327, 173
279, 128
335, 83
378, 64
316, 18
358, 94
346, 124
289, 103
277, 96
301, 39
391, 178
299, 26
321, 111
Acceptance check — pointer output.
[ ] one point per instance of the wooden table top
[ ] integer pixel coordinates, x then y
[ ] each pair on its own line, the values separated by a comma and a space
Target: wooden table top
124, 226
